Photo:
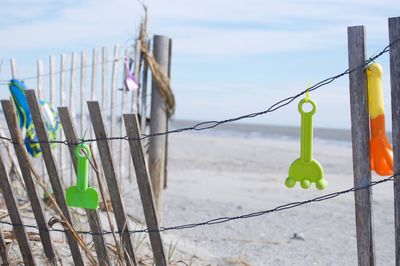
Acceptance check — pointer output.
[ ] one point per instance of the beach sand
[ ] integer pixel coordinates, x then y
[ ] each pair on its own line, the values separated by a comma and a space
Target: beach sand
219, 175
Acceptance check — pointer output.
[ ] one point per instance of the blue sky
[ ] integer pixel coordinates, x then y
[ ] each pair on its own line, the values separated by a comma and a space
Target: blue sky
230, 57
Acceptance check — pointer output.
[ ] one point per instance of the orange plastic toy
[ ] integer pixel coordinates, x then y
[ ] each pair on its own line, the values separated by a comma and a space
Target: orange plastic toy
381, 152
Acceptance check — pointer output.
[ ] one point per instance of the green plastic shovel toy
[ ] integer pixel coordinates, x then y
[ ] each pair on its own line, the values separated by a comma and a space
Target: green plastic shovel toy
81, 195
306, 170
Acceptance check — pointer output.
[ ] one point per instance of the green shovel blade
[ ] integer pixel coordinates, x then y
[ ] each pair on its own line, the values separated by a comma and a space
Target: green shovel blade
88, 199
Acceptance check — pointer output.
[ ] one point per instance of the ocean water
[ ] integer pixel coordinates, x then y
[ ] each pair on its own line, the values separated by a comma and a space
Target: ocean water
326, 135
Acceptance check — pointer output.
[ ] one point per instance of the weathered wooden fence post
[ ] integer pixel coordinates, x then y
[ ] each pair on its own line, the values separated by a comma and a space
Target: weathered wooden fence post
24, 163
394, 34
145, 190
360, 140
52, 171
158, 123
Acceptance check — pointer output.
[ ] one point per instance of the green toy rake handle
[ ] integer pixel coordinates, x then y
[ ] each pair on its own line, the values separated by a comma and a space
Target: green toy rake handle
306, 130
82, 166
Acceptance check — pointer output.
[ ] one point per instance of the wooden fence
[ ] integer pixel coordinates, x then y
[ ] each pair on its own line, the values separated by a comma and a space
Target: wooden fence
75, 242
107, 100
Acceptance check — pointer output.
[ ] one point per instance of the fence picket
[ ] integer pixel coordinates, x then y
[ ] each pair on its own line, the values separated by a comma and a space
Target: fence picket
5, 260
52, 170
40, 78
104, 77
30, 186
145, 189
14, 73
93, 216
136, 70
115, 71
143, 87
52, 80
94, 74
15, 216
72, 89
111, 178
63, 74
124, 94
83, 91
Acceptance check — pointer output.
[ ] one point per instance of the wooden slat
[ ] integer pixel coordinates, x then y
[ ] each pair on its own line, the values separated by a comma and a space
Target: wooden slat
115, 72
104, 78
14, 72
94, 74
52, 170
52, 80
143, 87
394, 34
145, 190
124, 96
136, 70
40, 79
93, 216
72, 93
360, 139
72, 89
15, 216
24, 164
5, 260
83, 91
40, 93
111, 178
158, 123
63, 74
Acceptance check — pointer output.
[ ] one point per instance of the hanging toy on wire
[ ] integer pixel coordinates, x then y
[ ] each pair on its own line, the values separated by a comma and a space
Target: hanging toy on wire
131, 81
305, 169
381, 152
52, 121
81, 195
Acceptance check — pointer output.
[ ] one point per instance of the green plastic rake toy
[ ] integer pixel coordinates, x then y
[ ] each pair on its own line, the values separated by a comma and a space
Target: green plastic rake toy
81, 195
305, 169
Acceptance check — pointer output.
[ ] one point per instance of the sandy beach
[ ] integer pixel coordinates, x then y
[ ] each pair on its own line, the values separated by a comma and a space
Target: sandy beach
213, 175
219, 173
